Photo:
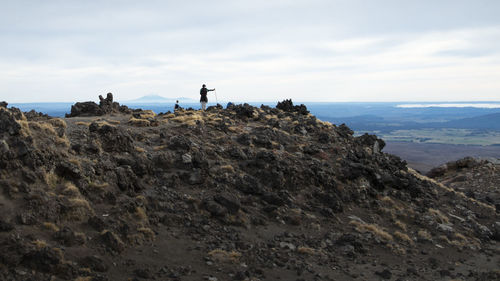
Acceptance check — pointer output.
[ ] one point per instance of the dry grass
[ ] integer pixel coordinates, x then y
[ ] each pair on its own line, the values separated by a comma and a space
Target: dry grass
47, 128
78, 209
397, 249
58, 122
306, 251
388, 212
81, 123
390, 202
159, 148
50, 226
440, 217
139, 149
400, 225
170, 115
98, 186
403, 237
25, 129
140, 214
234, 129
39, 244
424, 235
219, 255
373, 229
240, 218
62, 142
114, 122
147, 232
139, 122
52, 180
145, 114
69, 189
84, 278
189, 120
227, 169
74, 161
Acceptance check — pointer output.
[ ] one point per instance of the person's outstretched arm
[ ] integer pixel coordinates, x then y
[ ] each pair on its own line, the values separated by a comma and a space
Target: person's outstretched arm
212, 89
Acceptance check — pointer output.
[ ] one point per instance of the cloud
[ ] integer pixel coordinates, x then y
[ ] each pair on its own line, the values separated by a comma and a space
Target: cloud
269, 50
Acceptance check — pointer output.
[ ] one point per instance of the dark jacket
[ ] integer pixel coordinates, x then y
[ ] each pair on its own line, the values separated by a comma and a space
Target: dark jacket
203, 94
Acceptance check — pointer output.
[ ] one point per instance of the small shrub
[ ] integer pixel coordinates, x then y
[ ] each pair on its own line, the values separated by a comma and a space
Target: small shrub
78, 209
424, 235
403, 237
39, 244
373, 229
70, 189
140, 214
84, 278
139, 122
227, 169
440, 217
306, 251
400, 224
147, 232
219, 255
50, 226
58, 122
98, 186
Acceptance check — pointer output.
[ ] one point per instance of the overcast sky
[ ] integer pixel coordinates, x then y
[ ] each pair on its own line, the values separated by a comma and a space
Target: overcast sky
255, 50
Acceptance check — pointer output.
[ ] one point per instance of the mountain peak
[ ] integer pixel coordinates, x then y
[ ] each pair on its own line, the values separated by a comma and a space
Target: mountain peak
159, 99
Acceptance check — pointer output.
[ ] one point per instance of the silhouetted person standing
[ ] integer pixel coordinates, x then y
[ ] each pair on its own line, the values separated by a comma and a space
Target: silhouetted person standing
204, 99
177, 106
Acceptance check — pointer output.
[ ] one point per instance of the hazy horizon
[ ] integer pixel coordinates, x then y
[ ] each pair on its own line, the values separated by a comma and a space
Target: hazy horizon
315, 50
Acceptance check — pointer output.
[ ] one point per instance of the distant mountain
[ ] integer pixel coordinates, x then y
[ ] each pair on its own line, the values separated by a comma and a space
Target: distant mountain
488, 121
159, 99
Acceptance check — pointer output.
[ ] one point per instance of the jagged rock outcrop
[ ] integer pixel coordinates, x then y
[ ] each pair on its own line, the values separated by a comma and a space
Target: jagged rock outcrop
287, 105
105, 106
243, 193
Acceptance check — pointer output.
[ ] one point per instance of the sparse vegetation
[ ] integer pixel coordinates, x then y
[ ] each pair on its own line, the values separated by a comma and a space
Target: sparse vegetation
373, 229
403, 237
223, 256
50, 226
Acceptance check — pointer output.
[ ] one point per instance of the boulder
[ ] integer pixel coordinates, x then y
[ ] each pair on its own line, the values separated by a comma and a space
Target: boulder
228, 200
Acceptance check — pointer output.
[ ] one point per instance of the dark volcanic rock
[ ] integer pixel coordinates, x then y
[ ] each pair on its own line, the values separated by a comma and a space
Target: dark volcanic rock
242, 193
287, 105
105, 106
112, 138
228, 200
94, 263
88, 108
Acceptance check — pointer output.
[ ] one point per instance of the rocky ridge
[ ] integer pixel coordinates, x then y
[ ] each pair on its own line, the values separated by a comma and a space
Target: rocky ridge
243, 193
477, 178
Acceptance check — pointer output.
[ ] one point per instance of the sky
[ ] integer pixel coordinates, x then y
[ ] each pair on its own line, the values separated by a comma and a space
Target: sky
258, 50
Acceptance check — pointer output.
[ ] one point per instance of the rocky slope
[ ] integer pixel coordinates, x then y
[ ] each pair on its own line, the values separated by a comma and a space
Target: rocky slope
242, 193
477, 178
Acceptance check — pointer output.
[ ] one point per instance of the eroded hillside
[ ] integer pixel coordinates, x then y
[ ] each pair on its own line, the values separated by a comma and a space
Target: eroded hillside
243, 193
